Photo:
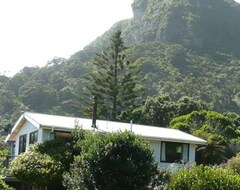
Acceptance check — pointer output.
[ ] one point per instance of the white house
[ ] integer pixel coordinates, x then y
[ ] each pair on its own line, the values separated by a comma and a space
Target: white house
170, 145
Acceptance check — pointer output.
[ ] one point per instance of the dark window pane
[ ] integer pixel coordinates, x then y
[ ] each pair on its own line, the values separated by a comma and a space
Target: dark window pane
33, 137
174, 152
22, 143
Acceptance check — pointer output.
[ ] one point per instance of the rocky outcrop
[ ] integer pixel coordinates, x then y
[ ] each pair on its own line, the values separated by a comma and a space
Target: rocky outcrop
204, 24
201, 25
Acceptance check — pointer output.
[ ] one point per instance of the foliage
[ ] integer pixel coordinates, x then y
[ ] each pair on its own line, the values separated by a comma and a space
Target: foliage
114, 80
215, 152
234, 164
160, 110
208, 121
36, 169
117, 161
59, 150
4, 151
189, 48
3, 155
204, 178
161, 180
4, 186
214, 127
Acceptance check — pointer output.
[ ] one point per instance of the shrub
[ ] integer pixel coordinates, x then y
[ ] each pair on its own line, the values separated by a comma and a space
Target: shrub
36, 169
114, 161
234, 164
204, 178
4, 186
58, 150
161, 180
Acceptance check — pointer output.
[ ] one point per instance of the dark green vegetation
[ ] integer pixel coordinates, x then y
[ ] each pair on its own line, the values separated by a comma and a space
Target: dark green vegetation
185, 55
219, 130
188, 55
114, 161
115, 81
4, 186
101, 161
189, 48
36, 169
3, 153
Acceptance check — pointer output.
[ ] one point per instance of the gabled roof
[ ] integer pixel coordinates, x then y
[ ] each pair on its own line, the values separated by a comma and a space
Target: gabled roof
68, 123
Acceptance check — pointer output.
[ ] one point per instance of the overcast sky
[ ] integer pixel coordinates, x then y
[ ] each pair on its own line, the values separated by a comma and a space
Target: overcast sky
32, 32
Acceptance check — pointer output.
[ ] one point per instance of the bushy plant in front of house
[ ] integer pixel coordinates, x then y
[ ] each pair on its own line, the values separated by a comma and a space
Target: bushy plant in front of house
204, 178
113, 161
59, 150
161, 180
36, 169
4, 186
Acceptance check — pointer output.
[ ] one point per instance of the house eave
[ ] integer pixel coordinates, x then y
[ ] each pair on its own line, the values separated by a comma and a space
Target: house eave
202, 142
18, 125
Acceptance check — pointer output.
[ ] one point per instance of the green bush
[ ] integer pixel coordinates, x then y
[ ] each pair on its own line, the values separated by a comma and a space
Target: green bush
36, 169
4, 186
58, 150
234, 164
161, 180
113, 161
204, 178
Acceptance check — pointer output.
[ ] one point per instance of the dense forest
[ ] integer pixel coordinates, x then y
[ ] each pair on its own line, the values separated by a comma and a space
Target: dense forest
187, 55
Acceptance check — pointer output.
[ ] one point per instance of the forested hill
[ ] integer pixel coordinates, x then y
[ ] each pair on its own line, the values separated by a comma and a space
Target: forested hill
183, 48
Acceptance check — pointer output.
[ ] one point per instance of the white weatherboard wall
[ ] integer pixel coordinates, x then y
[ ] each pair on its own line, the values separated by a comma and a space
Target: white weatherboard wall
25, 130
47, 134
156, 145
192, 149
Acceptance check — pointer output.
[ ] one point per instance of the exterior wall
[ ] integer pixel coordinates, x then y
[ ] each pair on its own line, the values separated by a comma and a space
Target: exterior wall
25, 130
46, 135
156, 145
192, 150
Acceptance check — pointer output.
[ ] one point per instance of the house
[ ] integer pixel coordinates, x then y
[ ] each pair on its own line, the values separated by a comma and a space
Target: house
170, 145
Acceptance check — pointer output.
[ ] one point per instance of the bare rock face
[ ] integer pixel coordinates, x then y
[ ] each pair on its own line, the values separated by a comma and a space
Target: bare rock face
200, 24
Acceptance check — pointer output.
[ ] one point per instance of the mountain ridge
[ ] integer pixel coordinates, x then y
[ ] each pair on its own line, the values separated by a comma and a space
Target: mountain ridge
170, 65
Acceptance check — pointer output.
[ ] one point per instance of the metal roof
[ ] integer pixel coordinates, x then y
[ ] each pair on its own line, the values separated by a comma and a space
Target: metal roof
68, 123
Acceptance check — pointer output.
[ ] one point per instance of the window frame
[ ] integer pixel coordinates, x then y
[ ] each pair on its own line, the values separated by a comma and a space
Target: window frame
62, 135
22, 143
33, 137
185, 152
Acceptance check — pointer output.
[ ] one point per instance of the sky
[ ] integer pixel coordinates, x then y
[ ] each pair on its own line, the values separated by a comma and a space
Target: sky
33, 32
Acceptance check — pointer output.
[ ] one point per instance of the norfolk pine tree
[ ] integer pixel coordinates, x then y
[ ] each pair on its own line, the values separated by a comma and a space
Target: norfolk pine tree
115, 81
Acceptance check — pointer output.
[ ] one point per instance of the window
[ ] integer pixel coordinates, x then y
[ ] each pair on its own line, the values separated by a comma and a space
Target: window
22, 143
33, 137
62, 135
174, 152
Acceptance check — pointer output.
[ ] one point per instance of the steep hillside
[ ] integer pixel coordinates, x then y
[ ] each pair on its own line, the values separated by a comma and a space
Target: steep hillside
201, 25
196, 24
184, 47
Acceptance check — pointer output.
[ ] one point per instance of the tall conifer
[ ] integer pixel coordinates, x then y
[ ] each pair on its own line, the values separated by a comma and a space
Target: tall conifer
115, 81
